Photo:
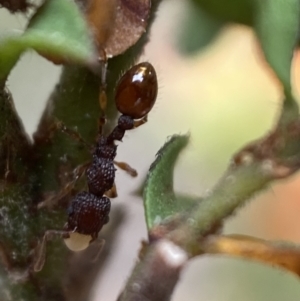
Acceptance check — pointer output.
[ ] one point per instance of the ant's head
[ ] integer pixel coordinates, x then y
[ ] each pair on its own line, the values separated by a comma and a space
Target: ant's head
137, 90
86, 216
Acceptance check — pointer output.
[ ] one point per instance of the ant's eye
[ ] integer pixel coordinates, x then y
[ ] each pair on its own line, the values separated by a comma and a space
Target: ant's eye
137, 90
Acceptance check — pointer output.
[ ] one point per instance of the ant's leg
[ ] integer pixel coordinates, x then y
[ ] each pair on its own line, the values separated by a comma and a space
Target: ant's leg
103, 66
40, 252
7, 173
102, 92
126, 167
59, 125
112, 193
53, 200
78, 172
140, 122
100, 244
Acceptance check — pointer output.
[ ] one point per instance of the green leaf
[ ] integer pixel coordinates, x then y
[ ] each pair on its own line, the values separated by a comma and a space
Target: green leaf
58, 31
198, 29
11, 48
159, 198
276, 23
240, 11
277, 26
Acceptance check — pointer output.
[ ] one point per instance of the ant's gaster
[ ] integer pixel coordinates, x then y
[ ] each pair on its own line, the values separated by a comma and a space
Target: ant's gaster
136, 91
89, 210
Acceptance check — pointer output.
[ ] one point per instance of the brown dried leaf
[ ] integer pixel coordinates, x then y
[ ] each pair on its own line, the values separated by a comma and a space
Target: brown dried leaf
280, 254
117, 24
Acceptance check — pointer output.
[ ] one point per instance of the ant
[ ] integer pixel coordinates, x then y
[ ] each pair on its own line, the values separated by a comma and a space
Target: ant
135, 95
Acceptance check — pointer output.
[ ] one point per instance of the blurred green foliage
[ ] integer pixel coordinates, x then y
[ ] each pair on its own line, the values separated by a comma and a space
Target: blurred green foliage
276, 23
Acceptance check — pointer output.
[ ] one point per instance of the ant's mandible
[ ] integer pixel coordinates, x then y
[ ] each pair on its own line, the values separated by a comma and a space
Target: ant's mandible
135, 96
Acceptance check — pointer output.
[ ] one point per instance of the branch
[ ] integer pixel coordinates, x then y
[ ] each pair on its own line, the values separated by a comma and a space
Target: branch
273, 157
155, 277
